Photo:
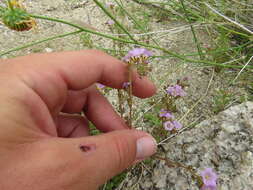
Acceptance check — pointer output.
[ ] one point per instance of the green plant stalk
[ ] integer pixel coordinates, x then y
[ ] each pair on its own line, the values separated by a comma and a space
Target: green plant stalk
133, 42
159, 3
196, 15
182, 57
210, 52
151, 5
233, 31
192, 30
114, 19
192, 12
187, 55
130, 16
39, 42
134, 20
179, 56
112, 37
83, 29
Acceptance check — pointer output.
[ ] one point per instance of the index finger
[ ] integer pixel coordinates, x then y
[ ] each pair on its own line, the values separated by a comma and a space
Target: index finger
76, 70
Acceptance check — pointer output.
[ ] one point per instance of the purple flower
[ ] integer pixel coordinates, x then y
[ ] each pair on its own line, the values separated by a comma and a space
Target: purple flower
137, 53
110, 22
176, 91
165, 113
100, 86
177, 125
126, 84
209, 178
168, 125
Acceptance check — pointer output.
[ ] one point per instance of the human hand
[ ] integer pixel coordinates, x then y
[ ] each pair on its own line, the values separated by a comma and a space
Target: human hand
43, 146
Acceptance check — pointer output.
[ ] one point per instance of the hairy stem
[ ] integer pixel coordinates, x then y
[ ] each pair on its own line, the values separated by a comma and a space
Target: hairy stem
121, 102
130, 95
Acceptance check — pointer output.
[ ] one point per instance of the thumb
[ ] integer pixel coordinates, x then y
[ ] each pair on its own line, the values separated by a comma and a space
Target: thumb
96, 159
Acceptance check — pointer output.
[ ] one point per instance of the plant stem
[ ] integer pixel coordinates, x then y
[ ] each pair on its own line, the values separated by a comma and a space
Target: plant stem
135, 21
233, 31
219, 50
182, 57
151, 5
114, 19
130, 95
39, 42
83, 29
121, 102
192, 29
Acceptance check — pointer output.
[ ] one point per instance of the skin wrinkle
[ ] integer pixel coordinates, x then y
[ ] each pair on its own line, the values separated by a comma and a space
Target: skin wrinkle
75, 101
70, 125
45, 125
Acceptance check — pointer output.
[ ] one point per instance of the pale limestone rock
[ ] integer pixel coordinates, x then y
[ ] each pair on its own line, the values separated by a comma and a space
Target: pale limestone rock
224, 143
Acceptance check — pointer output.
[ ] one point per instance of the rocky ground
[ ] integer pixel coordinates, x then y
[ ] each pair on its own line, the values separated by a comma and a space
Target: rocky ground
223, 142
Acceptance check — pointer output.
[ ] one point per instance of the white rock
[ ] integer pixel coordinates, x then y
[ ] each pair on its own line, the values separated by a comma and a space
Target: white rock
224, 143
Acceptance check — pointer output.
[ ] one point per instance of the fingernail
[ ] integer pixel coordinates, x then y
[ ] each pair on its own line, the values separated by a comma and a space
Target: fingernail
146, 146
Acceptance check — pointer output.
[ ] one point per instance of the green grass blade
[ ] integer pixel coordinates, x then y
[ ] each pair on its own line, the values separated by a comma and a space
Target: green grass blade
39, 42
114, 19
192, 30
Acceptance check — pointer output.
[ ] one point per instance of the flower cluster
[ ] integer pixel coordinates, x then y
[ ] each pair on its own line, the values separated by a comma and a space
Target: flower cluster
15, 17
169, 124
138, 55
209, 178
176, 91
164, 113
173, 92
139, 58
